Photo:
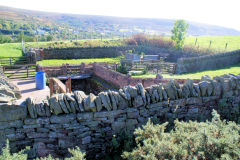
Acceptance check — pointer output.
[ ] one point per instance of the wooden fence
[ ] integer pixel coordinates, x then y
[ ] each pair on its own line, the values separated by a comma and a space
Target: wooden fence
13, 60
19, 71
154, 66
111, 64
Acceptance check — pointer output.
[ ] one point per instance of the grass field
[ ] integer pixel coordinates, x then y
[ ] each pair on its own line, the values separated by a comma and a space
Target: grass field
10, 50
235, 69
218, 42
59, 62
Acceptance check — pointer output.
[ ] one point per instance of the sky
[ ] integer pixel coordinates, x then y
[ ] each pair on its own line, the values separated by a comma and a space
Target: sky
217, 12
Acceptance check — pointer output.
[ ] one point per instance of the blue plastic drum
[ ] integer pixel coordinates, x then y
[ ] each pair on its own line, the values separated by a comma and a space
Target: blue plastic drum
40, 79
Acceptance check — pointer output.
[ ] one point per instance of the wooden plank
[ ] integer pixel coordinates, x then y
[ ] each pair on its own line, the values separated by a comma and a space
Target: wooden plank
51, 86
80, 76
60, 85
20, 65
21, 71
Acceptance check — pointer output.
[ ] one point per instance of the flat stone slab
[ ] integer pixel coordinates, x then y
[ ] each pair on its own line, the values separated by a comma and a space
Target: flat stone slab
28, 88
79, 76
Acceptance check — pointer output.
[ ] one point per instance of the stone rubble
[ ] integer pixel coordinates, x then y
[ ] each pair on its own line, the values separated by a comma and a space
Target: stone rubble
8, 91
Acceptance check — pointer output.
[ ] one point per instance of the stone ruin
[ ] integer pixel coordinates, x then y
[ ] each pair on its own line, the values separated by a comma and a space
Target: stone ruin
63, 121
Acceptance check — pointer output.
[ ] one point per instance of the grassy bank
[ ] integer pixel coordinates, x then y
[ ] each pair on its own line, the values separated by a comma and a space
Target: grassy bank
235, 69
218, 42
10, 50
74, 43
59, 62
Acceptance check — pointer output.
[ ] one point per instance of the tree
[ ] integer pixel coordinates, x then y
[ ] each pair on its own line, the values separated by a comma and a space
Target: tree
4, 38
179, 33
49, 38
20, 37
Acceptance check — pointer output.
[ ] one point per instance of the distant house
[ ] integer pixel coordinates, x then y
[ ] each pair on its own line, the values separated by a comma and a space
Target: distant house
39, 31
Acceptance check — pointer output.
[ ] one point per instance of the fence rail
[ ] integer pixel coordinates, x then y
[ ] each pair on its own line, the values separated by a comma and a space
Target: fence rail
111, 64
19, 71
13, 60
155, 66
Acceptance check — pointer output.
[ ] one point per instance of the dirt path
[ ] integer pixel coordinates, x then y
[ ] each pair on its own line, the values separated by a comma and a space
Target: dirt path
27, 87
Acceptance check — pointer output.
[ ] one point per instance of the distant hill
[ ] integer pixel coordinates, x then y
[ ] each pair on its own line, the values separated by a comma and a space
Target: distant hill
60, 24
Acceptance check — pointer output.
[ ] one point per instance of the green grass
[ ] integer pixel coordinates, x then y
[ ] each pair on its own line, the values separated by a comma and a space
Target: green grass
235, 69
15, 49
218, 42
59, 62
10, 50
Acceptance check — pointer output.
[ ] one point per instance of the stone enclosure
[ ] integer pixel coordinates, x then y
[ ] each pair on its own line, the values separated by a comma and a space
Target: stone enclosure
215, 61
90, 121
117, 79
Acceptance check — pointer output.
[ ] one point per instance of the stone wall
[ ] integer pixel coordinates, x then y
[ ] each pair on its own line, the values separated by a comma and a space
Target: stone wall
8, 91
186, 65
121, 80
115, 78
90, 121
80, 52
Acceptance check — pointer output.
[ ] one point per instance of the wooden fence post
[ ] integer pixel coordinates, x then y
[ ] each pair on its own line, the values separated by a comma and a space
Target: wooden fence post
51, 86
226, 46
69, 85
27, 71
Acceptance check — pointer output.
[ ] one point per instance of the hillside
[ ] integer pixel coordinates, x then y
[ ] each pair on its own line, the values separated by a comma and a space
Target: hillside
13, 21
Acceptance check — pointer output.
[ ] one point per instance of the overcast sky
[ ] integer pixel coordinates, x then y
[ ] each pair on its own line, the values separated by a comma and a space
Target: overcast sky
218, 12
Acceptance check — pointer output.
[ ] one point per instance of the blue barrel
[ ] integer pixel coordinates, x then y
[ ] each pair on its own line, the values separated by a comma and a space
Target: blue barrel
40, 79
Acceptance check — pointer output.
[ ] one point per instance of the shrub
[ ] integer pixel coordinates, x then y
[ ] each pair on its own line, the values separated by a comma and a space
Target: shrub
122, 69
124, 141
140, 38
212, 140
145, 71
22, 155
5, 39
76, 154
130, 42
6, 154
160, 42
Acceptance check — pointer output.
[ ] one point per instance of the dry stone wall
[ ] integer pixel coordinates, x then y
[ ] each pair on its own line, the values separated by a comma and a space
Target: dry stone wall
120, 80
186, 65
90, 121
80, 52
